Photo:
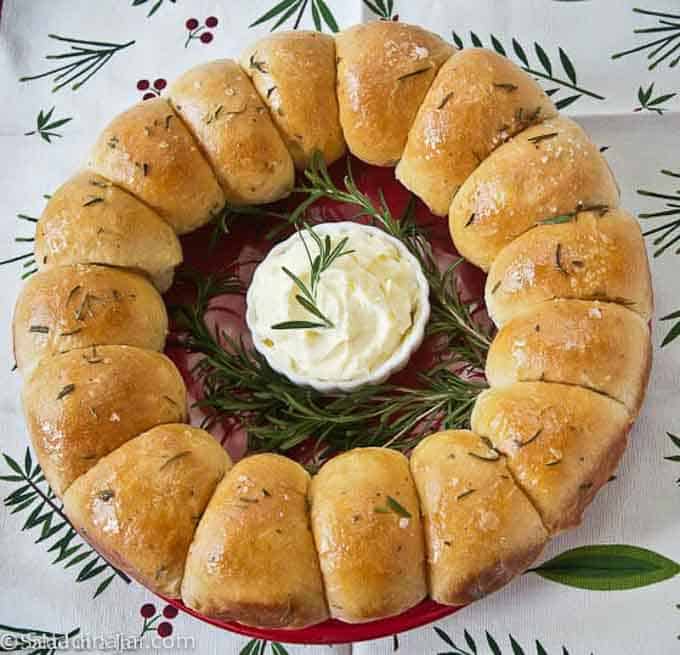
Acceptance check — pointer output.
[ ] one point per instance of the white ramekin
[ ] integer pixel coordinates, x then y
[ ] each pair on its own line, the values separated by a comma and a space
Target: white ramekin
399, 358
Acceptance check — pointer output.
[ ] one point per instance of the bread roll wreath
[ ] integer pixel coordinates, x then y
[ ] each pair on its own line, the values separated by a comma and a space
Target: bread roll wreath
529, 199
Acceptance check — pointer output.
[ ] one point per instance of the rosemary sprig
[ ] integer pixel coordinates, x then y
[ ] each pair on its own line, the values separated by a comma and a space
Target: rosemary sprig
279, 414
327, 254
666, 237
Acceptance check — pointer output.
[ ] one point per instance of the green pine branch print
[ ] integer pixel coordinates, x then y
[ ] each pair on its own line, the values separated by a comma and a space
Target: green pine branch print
155, 5
36, 642
259, 647
674, 458
295, 10
27, 259
666, 237
663, 48
83, 60
34, 497
291, 12
491, 645
543, 68
46, 127
651, 102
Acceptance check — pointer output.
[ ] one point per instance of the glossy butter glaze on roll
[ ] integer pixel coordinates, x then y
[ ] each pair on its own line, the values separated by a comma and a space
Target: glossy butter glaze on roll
82, 405
480, 528
69, 307
594, 255
139, 506
229, 120
384, 71
149, 152
253, 558
295, 74
562, 443
478, 100
546, 171
88, 220
597, 345
368, 534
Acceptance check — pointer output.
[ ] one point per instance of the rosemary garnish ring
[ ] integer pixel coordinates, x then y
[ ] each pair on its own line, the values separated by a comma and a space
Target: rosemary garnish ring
318, 265
278, 415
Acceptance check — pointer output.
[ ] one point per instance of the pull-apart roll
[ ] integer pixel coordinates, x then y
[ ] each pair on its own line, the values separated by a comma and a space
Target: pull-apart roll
139, 506
79, 306
368, 533
253, 558
478, 100
221, 107
89, 220
562, 443
480, 528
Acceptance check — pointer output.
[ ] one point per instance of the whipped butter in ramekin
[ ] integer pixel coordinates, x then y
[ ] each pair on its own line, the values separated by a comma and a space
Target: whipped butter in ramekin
376, 298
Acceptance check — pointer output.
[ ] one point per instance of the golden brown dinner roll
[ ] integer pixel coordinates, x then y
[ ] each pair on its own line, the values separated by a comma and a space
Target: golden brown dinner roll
546, 171
478, 100
562, 443
149, 152
139, 506
368, 533
69, 307
480, 528
594, 255
597, 345
83, 404
294, 73
253, 558
384, 71
88, 220
220, 106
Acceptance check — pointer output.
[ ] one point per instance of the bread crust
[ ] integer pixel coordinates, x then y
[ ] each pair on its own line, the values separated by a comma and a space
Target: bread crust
79, 306
88, 220
384, 71
546, 171
295, 75
139, 505
253, 558
231, 123
480, 529
478, 100
594, 255
373, 562
562, 443
149, 152
82, 405
600, 346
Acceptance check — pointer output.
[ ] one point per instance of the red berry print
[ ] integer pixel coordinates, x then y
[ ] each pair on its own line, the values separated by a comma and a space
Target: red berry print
164, 629
147, 610
169, 612
151, 91
200, 31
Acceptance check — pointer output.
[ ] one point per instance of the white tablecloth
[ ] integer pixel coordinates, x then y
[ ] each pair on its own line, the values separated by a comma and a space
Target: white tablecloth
569, 46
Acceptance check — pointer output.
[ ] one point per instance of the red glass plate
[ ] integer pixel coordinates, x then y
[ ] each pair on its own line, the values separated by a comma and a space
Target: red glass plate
239, 252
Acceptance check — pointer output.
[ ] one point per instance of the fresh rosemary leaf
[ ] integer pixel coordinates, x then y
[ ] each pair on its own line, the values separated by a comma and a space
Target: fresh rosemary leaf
398, 508
297, 325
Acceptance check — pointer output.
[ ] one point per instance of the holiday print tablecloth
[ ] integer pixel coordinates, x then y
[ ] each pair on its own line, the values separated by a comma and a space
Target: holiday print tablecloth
613, 65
